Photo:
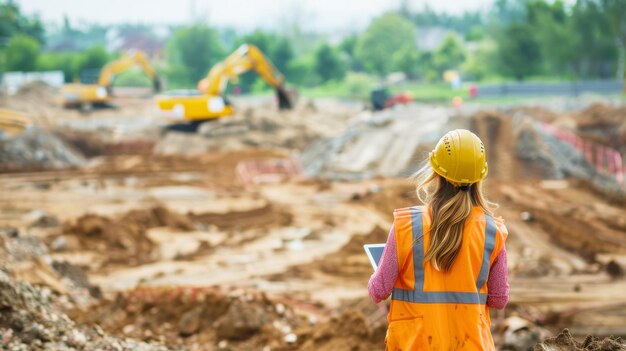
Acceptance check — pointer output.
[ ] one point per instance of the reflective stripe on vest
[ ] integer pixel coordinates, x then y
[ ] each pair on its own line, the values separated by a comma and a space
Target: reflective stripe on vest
418, 294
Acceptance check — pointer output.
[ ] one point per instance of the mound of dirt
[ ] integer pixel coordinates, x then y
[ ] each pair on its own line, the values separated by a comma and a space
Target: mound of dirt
496, 131
389, 197
124, 239
267, 215
564, 341
604, 124
32, 320
536, 112
349, 331
567, 223
159, 217
199, 318
95, 144
348, 262
36, 149
25, 257
600, 114
125, 243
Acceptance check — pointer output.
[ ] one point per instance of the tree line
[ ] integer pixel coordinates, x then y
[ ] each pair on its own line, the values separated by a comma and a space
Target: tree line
516, 39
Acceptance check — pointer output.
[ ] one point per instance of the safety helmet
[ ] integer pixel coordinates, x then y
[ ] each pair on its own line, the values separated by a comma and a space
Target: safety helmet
459, 157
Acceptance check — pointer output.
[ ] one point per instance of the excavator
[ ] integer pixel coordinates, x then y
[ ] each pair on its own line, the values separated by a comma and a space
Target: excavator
86, 96
209, 102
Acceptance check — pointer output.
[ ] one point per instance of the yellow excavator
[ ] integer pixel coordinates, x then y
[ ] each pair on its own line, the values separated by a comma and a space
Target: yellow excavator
209, 102
99, 94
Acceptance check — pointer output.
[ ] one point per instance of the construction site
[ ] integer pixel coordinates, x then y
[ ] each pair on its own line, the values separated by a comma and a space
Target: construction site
247, 234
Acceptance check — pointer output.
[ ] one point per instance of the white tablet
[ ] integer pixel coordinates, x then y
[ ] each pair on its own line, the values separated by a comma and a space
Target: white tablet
374, 253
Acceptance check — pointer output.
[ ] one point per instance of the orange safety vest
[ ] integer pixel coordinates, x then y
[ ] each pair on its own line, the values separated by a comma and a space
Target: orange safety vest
437, 310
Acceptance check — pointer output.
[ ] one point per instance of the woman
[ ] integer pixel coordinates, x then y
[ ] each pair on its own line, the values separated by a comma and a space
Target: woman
444, 263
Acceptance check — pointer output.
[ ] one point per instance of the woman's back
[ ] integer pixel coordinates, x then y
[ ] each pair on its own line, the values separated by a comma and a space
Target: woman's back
439, 256
449, 307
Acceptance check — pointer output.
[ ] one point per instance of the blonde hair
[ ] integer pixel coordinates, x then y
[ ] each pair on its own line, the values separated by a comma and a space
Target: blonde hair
450, 207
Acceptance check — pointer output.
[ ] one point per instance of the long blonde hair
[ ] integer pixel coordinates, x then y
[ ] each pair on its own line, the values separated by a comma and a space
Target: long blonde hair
450, 207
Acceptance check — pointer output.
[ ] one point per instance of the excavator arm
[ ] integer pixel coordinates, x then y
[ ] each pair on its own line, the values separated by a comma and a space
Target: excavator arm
127, 61
246, 57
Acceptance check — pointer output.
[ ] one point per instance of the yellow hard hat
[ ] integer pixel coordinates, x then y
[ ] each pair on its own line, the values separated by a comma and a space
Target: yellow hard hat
460, 157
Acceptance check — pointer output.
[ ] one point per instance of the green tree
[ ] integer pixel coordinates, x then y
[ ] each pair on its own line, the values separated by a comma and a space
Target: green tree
475, 33
328, 63
427, 17
282, 55
21, 53
90, 62
506, 12
406, 60
64, 61
302, 71
348, 46
593, 48
479, 63
449, 55
382, 39
518, 52
616, 18
191, 52
13, 22
552, 31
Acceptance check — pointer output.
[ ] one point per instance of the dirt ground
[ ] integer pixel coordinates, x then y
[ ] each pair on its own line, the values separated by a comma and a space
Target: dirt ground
187, 252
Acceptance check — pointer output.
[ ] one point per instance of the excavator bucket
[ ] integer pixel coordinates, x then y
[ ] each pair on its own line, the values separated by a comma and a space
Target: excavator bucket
286, 99
157, 84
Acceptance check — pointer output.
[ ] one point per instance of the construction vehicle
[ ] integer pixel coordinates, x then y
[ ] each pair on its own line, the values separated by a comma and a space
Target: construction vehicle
86, 96
13, 123
209, 101
382, 99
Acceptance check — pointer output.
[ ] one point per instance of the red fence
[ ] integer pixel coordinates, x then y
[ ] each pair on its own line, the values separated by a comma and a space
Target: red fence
269, 171
606, 160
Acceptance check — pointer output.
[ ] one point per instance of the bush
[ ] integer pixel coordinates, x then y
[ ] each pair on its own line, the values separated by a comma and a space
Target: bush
53, 61
21, 53
359, 85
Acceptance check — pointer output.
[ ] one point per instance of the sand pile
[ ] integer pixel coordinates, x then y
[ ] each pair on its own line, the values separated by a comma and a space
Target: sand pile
124, 239
36, 149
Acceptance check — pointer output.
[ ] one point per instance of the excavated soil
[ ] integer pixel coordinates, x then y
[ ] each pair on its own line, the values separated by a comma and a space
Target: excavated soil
124, 238
604, 124
348, 262
349, 331
564, 341
284, 241
198, 318
569, 224
268, 215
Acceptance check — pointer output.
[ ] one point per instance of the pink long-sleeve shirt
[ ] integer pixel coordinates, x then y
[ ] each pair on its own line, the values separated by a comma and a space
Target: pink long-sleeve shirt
381, 282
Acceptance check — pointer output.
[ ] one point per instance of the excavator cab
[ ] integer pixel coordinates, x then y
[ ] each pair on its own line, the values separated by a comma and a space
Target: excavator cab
379, 97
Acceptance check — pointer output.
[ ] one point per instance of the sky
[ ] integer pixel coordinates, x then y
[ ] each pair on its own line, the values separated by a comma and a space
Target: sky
319, 15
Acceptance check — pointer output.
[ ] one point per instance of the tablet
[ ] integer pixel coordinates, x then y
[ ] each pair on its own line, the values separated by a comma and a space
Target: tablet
374, 253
